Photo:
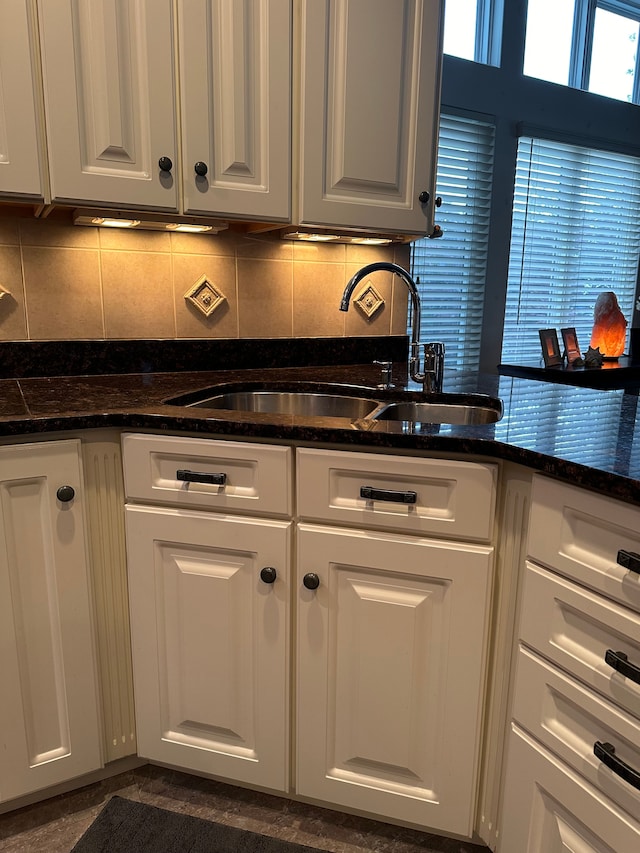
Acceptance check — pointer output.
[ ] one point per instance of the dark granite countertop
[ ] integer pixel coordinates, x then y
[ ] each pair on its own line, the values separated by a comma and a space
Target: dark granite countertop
585, 436
588, 437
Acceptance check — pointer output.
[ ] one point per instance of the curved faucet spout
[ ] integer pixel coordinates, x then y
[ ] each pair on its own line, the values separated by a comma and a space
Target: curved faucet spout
414, 353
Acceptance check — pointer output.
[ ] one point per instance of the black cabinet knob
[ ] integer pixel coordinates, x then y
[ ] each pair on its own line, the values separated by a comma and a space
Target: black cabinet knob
65, 494
311, 580
424, 197
268, 574
165, 164
438, 201
201, 168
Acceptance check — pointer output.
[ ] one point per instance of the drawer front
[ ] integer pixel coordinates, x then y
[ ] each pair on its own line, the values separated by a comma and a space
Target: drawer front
410, 494
579, 534
570, 719
576, 628
246, 478
548, 808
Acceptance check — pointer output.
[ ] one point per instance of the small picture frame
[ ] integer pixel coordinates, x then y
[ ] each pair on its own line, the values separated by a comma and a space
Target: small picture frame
550, 347
571, 348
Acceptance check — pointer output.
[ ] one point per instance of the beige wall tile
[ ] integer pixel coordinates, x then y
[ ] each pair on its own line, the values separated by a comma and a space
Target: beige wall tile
266, 248
9, 234
322, 253
317, 289
42, 232
399, 307
134, 241
265, 299
358, 323
362, 255
13, 322
204, 244
62, 293
221, 272
137, 295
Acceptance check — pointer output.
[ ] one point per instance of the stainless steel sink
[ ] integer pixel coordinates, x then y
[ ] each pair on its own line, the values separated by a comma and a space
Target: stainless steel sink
291, 403
448, 409
439, 413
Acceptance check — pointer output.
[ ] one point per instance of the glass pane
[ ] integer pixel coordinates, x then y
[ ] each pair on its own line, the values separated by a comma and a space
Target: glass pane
547, 51
460, 28
613, 60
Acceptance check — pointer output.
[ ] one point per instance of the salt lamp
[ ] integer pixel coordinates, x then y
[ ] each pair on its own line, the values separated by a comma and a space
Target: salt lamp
609, 326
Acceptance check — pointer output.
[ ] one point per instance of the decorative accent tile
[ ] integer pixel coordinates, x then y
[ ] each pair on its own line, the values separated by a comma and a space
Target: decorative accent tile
369, 301
205, 296
4, 291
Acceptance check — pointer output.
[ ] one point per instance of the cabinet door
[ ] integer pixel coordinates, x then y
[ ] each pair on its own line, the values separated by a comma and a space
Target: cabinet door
369, 122
109, 100
235, 89
20, 166
49, 729
390, 674
209, 639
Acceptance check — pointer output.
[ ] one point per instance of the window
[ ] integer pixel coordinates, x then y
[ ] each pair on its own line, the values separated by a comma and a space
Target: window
451, 270
472, 30
575, 233
592, 45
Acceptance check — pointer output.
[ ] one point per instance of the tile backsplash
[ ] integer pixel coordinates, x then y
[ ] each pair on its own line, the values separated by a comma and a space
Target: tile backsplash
67, 282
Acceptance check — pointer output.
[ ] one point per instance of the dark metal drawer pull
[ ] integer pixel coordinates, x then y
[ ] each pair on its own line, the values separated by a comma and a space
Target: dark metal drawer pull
620, 662
606, 752
200, 477
372, 494
630, 560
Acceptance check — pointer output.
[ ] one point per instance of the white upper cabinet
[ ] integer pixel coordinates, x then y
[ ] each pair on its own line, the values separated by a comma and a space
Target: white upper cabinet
20, 164
109, 87
235, 92
369, 113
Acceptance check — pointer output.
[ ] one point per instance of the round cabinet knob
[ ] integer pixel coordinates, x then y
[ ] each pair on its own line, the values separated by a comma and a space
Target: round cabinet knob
268, 574
201, 168
424, 197
165, 164
65, 494
311, 580
438, 201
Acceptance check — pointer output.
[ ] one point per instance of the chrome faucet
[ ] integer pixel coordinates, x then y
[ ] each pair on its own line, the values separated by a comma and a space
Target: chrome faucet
432, 374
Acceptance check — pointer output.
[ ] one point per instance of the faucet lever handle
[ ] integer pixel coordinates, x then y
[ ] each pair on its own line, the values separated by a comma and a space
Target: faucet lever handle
433, 366
387, 368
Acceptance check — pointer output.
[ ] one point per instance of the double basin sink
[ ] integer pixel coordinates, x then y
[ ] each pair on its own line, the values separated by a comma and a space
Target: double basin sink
440, 409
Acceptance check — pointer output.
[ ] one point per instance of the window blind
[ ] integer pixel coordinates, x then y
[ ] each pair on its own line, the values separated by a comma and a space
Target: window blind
452, 268
575, 233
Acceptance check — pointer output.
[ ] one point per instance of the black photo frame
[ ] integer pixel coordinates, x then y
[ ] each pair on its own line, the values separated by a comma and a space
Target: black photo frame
550, 347
571, 347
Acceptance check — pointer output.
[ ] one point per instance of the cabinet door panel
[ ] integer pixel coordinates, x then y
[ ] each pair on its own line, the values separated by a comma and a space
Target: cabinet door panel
108, 84
235, 76
209, 642
390, 674
370, 101
20, 168
48, 714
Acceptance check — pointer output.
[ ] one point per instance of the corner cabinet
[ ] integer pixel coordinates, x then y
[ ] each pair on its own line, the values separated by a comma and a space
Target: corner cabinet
369, 111
21, 138
49, 721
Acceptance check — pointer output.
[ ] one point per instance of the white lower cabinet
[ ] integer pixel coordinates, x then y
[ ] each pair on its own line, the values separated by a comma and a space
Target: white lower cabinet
390, 673
209, 641
49, 720
386, 665
573, 769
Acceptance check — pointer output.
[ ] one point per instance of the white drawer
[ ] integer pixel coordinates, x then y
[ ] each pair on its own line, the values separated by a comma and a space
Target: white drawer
576, 628
579, 533
254, 478
570, 719
548, 808
455, 500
